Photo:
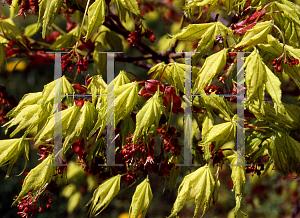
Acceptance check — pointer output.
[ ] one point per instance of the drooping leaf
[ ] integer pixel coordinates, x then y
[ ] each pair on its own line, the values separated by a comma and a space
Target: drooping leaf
212, 66
238, 176
114, 41
96, 16
141, 200
100, 61
256, 35
101, 121
48, 12
219, 134
38, 178
82, 123
67, 116
14, 8
96, 87
126, 97
2, 55
11, 32
256, 75
198, 185
103, 195
190, 6
11, 150
149, 114
61, 84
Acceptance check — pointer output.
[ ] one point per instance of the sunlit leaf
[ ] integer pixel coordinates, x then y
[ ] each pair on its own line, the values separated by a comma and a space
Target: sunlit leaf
141, 200
103, 195
126, 6
11, 32
65, 41
174, 173
96, 16
38, 178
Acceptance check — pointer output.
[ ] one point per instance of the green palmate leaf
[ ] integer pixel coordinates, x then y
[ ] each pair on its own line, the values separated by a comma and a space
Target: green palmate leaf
216, 191
288, 21
60, 85
207, 32
68, 40
219, 134
96, 16
141, 200
96, 87
67, 116
9, 31
27, 116
38, 178
2, 55
11, 150
256, 35
149, 114
114, 41
83, 123
273, 88
28, 99
126, 6
126, 97
101, 120
208, 122
212, 66
14, 8
238, 176
174, 173
173, 73
128, 127
100, 61
215, 102
198, 185
256, 75
48, 11
103, 195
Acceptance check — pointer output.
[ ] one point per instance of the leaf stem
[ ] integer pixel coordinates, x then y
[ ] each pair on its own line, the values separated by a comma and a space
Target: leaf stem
58, 29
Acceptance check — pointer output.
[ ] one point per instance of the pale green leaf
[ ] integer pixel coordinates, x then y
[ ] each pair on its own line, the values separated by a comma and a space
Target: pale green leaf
256, 35
100, 61
199, 186
212, 66
141, 200
14, 8
32, 29
38, 178
103, 195
74, 201
82, 123
174, 173
229, 5
11, 32
48, 11
219, 134
96, 87
125, 6
208, 122
96, 16
11, 150
149, 114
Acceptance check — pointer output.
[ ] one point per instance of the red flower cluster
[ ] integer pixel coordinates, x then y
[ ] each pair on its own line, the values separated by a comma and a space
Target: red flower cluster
136, 36
30, 6
6, 104
68, 62
170, 139
44, 151
277, 62
169, 95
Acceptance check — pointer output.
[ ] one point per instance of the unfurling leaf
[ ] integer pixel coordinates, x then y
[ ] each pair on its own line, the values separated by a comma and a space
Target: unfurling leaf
238, 176
96, 16
10, 151
219, 134
96, 87
149, 114
38, 178
256, 35
191, 6
198, 185
103, 195
174, 173
126, 6
212, 66
141, 200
